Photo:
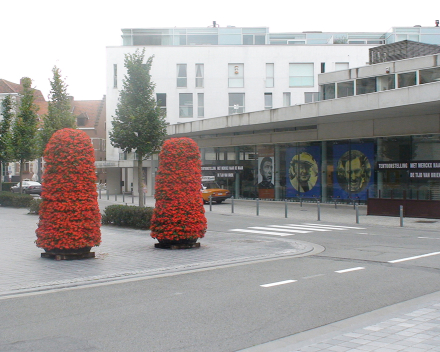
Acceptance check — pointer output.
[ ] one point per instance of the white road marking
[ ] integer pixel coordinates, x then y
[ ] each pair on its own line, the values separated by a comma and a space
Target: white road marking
303, 227
278, 283
336, 227
412, 258
349, 270
263, 232
312, 276
430, 238
268, 228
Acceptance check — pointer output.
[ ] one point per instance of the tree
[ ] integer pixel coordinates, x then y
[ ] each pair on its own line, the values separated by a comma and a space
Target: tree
59, 114
139, 124
24, 146
5, 133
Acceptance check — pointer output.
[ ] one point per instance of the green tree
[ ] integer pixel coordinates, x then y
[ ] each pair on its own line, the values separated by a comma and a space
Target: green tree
139, 124
24, 130
5, 133
59, 114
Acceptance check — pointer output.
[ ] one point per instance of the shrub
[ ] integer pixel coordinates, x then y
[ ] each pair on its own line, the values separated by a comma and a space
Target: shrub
34, 207
6, 186
69, 213
128, 216
179, 213
9, 199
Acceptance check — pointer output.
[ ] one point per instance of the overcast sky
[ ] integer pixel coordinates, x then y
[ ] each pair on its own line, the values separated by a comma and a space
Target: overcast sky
36, 35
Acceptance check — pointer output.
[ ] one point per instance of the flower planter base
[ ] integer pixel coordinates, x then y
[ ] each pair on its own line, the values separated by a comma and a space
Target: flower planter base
69, 254
177, 246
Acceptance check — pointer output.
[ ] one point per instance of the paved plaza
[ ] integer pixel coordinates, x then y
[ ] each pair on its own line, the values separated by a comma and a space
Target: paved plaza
130, 254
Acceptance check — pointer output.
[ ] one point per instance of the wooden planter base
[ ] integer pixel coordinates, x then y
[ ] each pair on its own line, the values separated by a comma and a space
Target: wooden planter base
177, 246
68, 256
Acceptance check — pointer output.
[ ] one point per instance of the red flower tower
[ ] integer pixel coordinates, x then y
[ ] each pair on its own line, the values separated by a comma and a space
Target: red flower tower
179, 216
69, 214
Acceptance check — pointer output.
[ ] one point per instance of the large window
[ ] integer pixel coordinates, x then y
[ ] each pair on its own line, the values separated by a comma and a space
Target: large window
236, 103
385, 82
429, 75
269, 75
345, 89
161, 99
406, 79
328, 91
236, 75
200, 74
366, 85
268, 101
185, 105
181, 75
301, 75
200, 105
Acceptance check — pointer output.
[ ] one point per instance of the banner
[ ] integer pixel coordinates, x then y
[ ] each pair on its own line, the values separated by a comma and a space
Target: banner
303, 175
354, 170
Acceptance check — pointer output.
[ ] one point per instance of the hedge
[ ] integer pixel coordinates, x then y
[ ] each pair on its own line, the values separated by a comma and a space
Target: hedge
6, 186
34, 207
9, 199
127, 216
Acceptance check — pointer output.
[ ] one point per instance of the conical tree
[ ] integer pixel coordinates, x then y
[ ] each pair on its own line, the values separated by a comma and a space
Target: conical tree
179, 215
69, 213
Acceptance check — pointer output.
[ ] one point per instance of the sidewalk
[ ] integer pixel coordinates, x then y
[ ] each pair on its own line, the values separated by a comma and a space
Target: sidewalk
128, 253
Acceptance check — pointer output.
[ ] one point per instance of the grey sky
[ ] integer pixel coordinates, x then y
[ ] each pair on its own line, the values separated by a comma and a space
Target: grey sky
36, 35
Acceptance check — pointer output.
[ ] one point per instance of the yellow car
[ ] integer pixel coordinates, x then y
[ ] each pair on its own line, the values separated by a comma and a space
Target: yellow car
212, 189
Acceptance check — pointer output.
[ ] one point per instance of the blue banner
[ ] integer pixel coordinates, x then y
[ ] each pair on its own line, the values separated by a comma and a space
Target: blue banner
303, 166
353, 170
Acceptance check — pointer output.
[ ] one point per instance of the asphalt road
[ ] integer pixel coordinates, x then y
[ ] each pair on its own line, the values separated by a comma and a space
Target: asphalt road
229, 308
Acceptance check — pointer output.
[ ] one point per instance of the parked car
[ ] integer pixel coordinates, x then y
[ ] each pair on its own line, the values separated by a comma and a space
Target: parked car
212, 189
29, 187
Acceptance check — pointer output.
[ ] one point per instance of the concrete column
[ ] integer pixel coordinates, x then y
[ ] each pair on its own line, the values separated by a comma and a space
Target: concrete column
277, 161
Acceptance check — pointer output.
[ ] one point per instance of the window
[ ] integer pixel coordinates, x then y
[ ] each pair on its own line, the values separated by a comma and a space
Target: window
311, 97
181, 75
406, 79
429, 75
366, 85
385, 82
322, 67
236, 103
200, 105
115, 76
185, 105
161, 99
328, 91
269, 75
301, 75
199, 75
286, 99
268, 101
345, 89
341, 66
236, 75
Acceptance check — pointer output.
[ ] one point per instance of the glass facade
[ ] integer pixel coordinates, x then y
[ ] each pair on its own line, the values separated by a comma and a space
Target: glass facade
342, 170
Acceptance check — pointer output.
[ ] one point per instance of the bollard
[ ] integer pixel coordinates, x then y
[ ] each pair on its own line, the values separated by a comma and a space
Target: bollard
258, 207
354, 203
232, 204
123, 197
132, 197
357, 214
336, 206
319, 210
116, 195
108, 195
145, 199
401, 216
285, 208
99, 193
210, 202
300, 202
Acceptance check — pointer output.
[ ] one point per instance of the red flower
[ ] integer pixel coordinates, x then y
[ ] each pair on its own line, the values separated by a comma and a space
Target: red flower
179, 212
69, 214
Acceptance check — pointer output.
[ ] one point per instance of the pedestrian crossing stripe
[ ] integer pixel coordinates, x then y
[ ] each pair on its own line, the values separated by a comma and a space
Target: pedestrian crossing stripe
292, 229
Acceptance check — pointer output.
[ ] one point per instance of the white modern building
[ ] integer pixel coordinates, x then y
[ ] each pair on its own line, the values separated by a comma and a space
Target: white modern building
204, 73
